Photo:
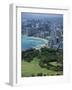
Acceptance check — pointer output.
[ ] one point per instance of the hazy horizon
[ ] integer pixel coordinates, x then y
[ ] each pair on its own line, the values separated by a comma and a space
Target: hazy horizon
27, 15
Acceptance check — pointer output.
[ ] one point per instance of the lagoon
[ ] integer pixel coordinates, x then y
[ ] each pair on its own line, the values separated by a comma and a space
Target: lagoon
28, 42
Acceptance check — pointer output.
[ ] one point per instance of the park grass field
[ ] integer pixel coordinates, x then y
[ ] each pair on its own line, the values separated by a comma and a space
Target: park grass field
30, 69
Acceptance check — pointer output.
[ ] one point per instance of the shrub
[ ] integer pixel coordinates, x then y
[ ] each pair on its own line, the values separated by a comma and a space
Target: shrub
44, 74
32, 75
39, 74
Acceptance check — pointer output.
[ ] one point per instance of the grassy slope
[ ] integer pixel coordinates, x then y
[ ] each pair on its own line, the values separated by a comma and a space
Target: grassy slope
33, 68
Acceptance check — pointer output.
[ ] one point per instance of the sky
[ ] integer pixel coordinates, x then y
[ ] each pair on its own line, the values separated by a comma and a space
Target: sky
27, 15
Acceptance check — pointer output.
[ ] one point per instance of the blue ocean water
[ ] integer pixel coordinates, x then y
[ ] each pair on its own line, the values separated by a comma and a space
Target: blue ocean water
28, 42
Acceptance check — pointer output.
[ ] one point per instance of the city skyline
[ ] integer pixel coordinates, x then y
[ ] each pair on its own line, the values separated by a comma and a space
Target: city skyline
27, 15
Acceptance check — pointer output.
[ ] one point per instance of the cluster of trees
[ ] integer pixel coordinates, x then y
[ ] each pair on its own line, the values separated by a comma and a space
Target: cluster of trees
46, 56
28, 55
38, 74
51, 55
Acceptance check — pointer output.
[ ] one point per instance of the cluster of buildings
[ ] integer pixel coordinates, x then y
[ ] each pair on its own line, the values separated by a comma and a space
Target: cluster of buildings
51, 31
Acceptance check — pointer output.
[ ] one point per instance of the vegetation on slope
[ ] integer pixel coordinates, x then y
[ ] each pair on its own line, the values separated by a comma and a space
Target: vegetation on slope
43, 62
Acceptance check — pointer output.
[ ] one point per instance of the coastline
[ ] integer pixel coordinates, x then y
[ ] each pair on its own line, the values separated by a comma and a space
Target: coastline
37, 41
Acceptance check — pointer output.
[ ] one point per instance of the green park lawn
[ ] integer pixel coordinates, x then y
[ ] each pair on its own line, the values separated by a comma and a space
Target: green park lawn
33, 68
